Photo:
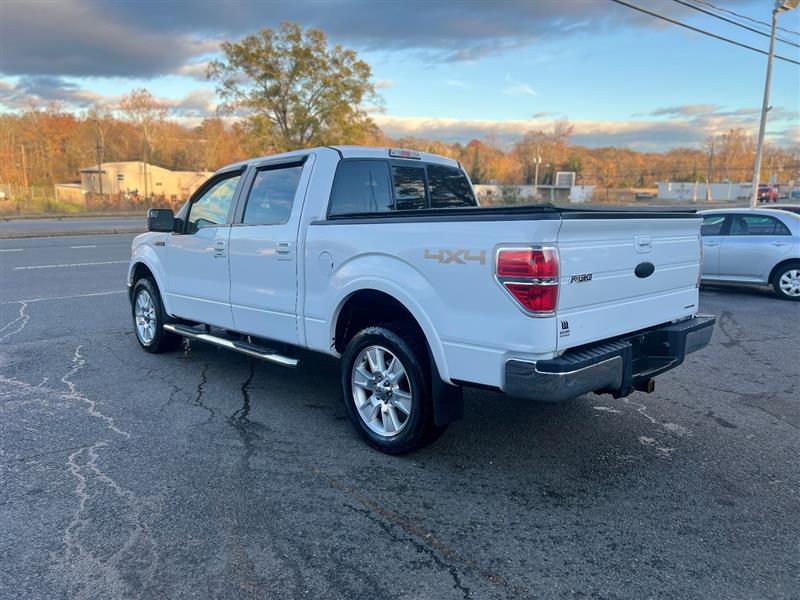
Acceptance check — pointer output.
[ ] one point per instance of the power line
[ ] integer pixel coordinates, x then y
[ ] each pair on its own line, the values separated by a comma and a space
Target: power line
703, 31
759, 32
735, 14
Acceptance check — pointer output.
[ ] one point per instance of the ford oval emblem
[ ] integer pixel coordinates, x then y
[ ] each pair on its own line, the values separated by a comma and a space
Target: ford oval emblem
644, 269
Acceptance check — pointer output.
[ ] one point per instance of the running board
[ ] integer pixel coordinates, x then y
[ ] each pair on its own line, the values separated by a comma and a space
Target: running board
237, 346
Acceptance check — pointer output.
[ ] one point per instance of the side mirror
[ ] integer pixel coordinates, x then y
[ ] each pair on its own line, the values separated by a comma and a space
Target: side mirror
160, 219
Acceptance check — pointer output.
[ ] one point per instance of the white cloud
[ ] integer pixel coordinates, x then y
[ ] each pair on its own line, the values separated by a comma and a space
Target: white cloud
195, 70
643, 134
518, 88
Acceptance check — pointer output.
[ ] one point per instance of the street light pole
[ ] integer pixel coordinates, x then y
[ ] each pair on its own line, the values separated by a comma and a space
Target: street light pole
780, 6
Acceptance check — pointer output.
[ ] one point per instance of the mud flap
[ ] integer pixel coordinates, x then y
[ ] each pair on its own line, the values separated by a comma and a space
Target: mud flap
448, 400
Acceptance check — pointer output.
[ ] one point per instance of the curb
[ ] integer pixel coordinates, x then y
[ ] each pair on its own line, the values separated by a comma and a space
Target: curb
72, 232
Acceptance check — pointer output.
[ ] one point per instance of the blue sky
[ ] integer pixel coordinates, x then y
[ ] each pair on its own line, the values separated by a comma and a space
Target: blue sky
449, 70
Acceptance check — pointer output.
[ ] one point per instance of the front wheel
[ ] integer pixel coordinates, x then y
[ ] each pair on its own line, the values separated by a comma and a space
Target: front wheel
387, 390
787, 282
149, 317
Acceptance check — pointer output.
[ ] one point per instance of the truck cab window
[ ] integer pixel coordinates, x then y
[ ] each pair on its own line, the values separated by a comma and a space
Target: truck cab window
409, 188
212, 207
449, 187
272, 196
361, 186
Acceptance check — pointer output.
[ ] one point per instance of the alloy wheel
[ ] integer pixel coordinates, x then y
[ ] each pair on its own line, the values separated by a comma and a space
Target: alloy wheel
145, 315
381, 391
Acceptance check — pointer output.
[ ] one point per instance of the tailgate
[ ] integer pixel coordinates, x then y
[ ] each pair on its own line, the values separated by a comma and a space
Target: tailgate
624, 272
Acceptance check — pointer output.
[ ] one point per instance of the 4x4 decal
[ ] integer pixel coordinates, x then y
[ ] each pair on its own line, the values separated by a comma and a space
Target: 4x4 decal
459, 256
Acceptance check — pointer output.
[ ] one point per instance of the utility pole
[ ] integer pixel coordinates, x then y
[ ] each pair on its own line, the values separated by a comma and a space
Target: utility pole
536, 161
780, 6
98, 151
24, 170
710, 170
144, 167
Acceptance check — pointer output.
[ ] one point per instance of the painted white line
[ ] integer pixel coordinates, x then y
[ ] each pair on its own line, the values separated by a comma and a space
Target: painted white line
86, 246
11, 250
86, 264
29, 300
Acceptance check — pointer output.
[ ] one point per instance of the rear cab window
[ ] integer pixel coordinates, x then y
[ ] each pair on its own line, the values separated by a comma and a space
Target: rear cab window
361, 186
409, 188
364, 186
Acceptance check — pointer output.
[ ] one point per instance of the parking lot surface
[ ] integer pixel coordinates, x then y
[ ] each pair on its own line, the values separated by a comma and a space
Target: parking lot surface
203, 473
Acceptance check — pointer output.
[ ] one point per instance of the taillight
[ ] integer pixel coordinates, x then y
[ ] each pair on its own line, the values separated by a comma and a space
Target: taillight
527, 262
530, 275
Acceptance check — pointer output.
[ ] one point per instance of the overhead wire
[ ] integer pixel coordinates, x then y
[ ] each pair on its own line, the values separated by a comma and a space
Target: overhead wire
751, 19
702, 31
727, 20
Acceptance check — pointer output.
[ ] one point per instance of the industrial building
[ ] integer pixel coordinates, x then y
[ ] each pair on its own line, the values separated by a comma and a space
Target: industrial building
133, 178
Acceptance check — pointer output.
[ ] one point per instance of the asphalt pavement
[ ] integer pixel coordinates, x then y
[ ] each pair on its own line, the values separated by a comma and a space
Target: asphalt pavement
203, 473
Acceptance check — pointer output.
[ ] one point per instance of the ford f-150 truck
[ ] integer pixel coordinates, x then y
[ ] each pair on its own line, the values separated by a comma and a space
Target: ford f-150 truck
385, 259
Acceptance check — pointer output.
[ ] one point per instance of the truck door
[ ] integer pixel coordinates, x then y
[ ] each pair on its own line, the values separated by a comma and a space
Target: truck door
198, 282
263, 249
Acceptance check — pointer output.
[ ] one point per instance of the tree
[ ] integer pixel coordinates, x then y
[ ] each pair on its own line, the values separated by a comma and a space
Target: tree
476, 168
548, 145
294, 90
147, 114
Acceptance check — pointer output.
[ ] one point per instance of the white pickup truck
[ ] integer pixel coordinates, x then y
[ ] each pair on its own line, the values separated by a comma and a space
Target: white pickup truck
385, 259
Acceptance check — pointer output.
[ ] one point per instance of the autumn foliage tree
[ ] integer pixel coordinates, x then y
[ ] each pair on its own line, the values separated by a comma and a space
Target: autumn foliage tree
294, 90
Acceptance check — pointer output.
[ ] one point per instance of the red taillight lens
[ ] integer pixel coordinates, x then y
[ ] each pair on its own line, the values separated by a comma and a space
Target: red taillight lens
528, 262
530, 275
535, 297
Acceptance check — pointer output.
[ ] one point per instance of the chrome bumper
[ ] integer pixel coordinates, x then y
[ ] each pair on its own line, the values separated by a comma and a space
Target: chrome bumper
616, 367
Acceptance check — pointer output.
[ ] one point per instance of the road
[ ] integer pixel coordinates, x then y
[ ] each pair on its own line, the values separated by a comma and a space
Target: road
205, 474
24, 228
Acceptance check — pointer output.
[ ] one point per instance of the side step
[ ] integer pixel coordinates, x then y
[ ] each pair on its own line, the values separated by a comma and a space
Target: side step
238, 346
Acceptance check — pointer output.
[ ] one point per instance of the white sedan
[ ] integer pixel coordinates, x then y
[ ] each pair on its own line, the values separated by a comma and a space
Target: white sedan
753, 245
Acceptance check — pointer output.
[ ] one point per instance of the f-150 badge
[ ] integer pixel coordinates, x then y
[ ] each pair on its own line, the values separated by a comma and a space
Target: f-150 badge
459, 256
580, 278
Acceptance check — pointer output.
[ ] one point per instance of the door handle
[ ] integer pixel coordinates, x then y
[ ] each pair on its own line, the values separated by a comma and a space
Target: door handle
283, 247
711, 244
779, 243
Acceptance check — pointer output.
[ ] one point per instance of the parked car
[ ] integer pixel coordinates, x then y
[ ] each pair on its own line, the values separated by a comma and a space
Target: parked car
753, 245
793, 208
384, 259
767, 193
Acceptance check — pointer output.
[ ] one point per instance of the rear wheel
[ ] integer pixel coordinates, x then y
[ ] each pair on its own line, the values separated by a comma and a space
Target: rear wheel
387, 390
149, 318
787, 282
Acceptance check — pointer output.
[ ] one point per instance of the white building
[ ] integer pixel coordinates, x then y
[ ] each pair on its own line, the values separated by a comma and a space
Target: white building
691, 191
137, 177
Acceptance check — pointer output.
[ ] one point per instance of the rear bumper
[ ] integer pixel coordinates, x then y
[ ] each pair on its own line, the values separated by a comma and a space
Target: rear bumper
613, 366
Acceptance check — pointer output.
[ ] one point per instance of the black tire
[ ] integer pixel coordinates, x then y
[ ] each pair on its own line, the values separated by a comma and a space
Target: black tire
776, 281
161, 341
418, 429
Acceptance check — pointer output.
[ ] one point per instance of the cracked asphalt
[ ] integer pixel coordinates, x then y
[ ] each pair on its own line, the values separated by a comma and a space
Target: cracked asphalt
204, 474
